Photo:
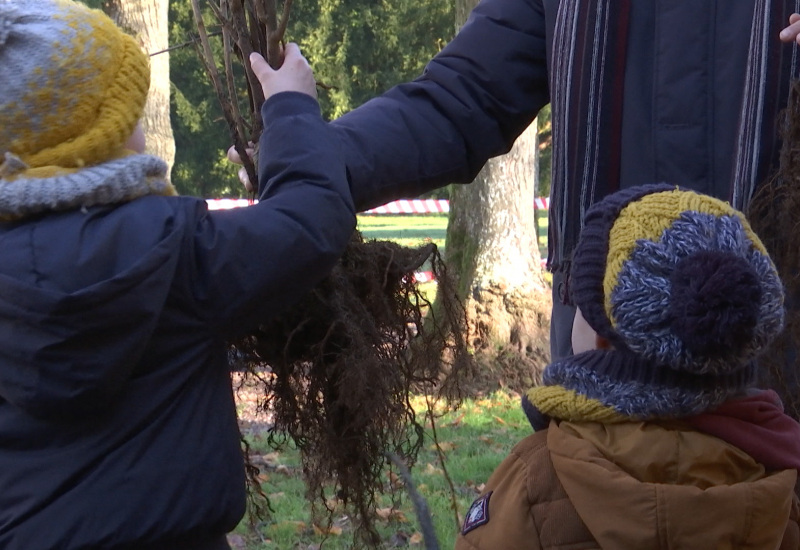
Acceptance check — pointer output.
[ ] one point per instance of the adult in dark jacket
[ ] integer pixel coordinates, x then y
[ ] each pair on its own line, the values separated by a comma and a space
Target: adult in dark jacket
117, 420
641, 92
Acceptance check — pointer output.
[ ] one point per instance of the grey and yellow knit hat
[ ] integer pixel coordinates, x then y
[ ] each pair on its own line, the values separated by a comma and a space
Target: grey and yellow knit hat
687, 295
73, 89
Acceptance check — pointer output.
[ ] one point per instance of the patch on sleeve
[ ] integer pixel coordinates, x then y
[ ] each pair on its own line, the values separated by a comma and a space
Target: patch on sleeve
477, 515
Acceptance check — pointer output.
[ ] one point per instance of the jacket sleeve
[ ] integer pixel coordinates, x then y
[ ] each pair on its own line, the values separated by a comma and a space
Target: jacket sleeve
472, 101
791, 536
502, 516
254, 262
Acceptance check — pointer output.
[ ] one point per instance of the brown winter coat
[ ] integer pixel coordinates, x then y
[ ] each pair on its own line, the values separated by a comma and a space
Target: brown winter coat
633, 485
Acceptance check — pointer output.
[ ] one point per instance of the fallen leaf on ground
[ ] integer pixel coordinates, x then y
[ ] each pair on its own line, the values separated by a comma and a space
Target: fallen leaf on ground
391, 514
456, 421
395, 480
327, 530
445, 446
431, 469
299, 526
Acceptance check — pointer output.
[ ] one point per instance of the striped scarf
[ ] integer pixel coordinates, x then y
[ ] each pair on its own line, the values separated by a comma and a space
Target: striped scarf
587, 79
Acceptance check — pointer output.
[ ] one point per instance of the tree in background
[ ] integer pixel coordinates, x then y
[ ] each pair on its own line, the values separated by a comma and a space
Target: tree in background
492, 244
146, 20
358, 49
361, 48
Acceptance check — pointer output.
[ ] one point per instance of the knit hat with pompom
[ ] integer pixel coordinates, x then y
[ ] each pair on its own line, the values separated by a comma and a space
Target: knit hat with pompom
686, 294
73, 89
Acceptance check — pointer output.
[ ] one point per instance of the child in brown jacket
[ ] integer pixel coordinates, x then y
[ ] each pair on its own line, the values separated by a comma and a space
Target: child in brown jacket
653, 435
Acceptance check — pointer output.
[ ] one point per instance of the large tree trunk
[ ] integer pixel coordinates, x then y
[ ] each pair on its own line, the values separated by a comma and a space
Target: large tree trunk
147, 20
492, 244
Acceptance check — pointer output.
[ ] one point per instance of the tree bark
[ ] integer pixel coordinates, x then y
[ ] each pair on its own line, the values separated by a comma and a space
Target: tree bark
147, 20
492, 245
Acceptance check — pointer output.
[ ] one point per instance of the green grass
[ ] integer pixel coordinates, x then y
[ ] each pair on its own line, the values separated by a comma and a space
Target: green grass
476, 438
408, 230
415, 229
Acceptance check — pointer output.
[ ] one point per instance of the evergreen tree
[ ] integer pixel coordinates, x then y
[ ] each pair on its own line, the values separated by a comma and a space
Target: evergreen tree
358, 49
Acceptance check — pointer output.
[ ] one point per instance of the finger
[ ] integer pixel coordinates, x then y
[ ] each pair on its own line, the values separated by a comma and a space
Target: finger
242, 173
293, 56
292, 50
235, 157
791, 32
260, 66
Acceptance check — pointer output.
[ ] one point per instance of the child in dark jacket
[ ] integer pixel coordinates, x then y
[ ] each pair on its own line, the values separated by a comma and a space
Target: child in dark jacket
117, 420
653, 435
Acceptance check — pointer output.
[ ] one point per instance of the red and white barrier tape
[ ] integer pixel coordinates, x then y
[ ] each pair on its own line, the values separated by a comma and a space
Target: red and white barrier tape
415, 206
433, 206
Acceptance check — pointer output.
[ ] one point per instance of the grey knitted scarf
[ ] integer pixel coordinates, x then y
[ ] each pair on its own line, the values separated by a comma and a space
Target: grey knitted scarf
116, 181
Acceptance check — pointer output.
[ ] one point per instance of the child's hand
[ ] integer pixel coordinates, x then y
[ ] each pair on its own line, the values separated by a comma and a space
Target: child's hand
295, 75
235, 158
792, 32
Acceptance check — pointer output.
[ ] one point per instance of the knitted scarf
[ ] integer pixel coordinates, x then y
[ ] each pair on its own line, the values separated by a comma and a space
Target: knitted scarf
24, 192
587, 84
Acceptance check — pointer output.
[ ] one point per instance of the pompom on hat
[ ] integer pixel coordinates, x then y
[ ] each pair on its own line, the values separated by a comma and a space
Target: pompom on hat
685, 292
74, 87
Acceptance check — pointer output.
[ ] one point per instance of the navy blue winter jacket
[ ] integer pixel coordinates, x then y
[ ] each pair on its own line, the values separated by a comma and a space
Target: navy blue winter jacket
684, 68
117, 420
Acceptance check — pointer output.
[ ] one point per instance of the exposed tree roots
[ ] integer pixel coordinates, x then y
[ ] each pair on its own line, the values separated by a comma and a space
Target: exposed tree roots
338, 370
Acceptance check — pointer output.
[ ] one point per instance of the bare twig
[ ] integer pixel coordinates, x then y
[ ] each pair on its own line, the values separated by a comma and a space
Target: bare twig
227, 49
442, 461
207, 57
246, 26
419, 502
192, 42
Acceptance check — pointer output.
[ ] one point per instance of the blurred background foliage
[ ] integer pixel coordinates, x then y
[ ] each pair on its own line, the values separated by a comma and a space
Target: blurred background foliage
358, 49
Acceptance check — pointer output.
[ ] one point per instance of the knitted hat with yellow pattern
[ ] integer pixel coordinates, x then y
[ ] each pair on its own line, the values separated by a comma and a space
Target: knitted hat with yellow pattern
73, 89
686, 294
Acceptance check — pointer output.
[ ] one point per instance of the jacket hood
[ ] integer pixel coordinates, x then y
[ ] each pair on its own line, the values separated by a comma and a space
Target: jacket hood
668, 487
757, 424
64, 354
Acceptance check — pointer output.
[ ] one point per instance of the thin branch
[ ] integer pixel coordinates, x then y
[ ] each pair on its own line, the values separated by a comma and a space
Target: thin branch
442, 461
245, 44
287, 5
419, 502
207, 57
192, 42
229, 76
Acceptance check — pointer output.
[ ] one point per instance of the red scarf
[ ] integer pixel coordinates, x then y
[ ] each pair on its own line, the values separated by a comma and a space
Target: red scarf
757, 425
